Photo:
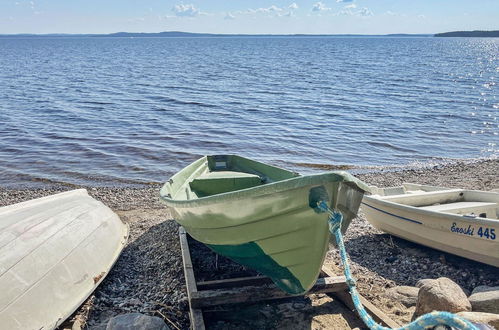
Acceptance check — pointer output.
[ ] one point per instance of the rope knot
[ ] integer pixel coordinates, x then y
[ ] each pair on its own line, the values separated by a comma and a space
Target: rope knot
335, 218
322, 206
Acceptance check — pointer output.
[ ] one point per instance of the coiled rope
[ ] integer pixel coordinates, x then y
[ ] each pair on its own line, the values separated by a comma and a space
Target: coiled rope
425, 321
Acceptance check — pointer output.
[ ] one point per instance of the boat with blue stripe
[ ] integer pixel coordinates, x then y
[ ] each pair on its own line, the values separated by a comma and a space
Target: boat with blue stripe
458, 221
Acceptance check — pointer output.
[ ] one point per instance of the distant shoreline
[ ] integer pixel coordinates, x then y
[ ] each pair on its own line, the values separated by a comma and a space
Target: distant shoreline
470, 34
178, 34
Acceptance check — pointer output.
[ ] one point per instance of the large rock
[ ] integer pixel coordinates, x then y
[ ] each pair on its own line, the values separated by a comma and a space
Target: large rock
441, 294
423, 281
478, 317
485, 299
407, 295
136, 321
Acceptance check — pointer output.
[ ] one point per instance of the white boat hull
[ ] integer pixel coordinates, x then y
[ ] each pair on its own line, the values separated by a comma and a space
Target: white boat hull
54, 252
475, 238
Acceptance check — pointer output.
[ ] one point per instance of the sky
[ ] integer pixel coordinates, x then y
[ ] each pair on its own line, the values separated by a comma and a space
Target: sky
249, 17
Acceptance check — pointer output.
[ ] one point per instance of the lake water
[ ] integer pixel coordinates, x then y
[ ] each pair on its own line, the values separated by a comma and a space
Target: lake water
103, 111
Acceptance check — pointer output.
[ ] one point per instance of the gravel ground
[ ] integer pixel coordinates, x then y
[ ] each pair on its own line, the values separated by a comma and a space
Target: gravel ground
148, 276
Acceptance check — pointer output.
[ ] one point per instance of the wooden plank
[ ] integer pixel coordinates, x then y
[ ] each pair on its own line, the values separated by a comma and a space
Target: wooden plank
197, 322
251, 294
376, 313
233, 282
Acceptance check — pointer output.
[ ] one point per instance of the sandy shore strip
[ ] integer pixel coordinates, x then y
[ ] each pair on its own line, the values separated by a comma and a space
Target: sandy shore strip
148, 276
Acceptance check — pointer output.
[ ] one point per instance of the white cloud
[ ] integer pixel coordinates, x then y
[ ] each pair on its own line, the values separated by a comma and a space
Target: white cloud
320, 6
422, 16
344, 0
185, 10
365, 12
229, 16
351, 6
26, 3
291, 10
272, 11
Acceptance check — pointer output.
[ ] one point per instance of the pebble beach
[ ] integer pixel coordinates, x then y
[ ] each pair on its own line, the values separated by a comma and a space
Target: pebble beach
148, 277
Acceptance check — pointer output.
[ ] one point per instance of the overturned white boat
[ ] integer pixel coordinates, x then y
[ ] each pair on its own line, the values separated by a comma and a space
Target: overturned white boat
457, 221
54, 252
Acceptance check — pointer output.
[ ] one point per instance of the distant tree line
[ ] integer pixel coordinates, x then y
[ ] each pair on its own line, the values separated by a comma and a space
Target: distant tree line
478, 34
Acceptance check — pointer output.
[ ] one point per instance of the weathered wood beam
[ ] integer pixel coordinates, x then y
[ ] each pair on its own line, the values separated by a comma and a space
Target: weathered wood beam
197, 322
251, 294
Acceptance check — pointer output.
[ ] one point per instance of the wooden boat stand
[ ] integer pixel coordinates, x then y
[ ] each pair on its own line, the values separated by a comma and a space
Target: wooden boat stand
258, 288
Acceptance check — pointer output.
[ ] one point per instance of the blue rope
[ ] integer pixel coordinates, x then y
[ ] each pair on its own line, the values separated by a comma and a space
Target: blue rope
425, 321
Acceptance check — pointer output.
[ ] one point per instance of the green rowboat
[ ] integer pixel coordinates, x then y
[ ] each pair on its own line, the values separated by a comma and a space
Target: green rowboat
262, 216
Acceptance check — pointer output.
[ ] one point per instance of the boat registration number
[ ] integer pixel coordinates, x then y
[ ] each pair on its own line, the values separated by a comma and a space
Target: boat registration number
488, 233
482, 232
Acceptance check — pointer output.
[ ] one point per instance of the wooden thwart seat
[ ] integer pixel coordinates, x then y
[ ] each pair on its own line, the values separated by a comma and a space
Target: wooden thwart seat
463, 207
427, 198
223, 181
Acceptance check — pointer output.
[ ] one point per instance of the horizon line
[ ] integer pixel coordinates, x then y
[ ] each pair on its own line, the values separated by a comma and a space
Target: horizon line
473, 33
212, 34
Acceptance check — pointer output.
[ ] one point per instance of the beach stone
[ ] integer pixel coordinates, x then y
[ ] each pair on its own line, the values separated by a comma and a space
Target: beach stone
423, 281
407, 295
416, 252
479, 317
136, 321
485, 299
134, 302
441, 294
76, 325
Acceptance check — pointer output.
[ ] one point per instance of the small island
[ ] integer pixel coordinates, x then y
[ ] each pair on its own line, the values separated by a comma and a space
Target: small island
475, 34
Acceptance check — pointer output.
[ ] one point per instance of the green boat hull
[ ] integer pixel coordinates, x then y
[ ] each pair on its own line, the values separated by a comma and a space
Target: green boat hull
262, 216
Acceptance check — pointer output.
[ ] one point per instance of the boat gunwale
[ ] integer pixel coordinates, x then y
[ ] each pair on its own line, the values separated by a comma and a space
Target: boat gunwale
425, 213
274, 187
40, 200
